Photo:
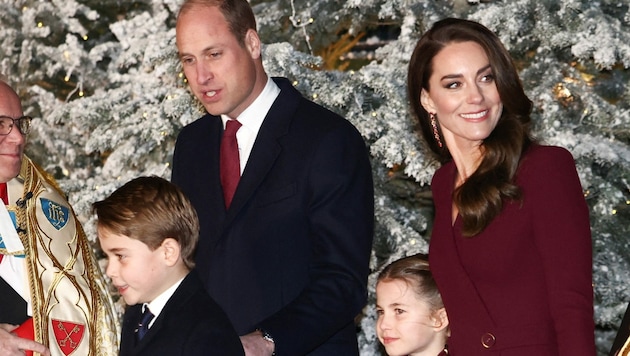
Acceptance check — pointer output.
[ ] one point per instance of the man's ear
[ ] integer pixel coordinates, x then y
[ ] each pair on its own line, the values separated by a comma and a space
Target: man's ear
441, 319
252, 43
172, 251
427, 102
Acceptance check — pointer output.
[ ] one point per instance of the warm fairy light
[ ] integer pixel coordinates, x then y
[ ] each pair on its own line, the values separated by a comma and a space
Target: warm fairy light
373, 113
563, 94
311, 20
295, 82
40, 24
81, 93
85, 37
561, 91
66, 78
145, 115
181, 75
614, 212
315, 96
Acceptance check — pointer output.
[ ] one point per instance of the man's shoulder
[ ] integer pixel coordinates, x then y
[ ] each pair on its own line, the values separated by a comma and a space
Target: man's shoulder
289, 93
202, 122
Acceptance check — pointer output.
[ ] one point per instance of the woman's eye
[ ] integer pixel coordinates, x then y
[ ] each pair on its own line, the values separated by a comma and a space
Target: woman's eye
453, 85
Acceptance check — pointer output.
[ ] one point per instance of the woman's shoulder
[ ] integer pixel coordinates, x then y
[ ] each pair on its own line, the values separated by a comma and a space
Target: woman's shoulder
538, 154
539, 149
541, 162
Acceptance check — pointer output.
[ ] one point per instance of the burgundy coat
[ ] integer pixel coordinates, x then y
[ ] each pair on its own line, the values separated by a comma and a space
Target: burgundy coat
523, 286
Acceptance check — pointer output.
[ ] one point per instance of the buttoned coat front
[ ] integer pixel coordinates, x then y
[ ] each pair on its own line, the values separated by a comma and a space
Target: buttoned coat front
291, 254
523, 286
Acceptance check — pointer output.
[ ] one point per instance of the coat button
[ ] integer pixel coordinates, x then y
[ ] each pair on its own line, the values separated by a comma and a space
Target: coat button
488, 340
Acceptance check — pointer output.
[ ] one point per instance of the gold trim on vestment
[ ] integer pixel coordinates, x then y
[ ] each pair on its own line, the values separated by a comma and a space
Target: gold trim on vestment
66, 282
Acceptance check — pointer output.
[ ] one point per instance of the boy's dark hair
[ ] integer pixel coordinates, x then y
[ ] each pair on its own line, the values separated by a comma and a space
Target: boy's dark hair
151, 209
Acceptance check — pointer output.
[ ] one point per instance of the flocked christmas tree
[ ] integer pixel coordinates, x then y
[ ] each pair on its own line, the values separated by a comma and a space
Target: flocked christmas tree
103, 81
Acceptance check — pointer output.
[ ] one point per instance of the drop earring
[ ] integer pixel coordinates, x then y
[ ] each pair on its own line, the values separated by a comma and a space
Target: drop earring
436, 133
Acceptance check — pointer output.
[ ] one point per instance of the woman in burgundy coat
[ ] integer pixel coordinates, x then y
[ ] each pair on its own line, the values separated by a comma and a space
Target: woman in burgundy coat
511, 244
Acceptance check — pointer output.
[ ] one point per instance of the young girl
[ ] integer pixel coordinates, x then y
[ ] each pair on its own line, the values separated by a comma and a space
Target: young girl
411, 316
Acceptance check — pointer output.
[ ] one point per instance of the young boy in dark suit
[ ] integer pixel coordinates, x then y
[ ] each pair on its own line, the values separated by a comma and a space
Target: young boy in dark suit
148, 229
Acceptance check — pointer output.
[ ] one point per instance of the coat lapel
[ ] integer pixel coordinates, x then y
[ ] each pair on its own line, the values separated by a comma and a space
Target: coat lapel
181, 296
267, 147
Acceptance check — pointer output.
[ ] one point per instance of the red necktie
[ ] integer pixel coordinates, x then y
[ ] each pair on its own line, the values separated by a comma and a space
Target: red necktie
229, 160
5, 198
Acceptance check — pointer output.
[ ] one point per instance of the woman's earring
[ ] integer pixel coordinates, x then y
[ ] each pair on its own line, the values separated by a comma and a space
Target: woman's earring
436, 133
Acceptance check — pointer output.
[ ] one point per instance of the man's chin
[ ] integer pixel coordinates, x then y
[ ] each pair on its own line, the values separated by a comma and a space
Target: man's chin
10, 170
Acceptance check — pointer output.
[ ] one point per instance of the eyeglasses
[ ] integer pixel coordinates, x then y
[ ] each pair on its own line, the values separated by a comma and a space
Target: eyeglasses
23, 124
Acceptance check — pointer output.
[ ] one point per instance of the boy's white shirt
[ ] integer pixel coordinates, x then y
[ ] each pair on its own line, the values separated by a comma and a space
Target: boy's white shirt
157, 305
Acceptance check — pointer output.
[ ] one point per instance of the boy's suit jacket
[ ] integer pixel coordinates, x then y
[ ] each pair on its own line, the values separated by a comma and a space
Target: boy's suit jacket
291, 254
190, 324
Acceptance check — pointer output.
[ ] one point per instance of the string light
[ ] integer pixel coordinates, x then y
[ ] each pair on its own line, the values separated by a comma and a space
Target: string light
563, 93
40, 24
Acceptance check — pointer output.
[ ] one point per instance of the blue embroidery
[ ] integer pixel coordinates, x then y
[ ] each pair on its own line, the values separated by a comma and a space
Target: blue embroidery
56, 214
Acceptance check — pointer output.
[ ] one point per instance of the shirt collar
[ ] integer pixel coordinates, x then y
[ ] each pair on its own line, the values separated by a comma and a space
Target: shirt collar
157, 305
251, 117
